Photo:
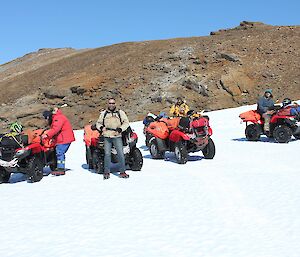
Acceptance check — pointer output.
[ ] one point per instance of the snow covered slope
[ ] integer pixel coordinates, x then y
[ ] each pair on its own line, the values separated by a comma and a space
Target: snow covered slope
243, 203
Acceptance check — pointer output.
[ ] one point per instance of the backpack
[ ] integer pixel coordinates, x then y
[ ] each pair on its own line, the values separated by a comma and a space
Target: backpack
126, 133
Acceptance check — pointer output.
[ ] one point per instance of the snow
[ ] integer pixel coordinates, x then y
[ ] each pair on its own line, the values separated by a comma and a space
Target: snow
243, 203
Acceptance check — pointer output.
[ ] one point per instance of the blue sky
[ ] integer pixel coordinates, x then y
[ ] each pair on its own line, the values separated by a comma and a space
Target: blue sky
28, 25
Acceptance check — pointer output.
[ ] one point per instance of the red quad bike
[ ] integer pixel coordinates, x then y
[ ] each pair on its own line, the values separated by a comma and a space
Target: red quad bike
282, 125
189, 136
94, 144
32, 153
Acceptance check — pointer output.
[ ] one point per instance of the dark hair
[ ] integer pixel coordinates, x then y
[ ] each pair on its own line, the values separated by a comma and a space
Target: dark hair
48, 116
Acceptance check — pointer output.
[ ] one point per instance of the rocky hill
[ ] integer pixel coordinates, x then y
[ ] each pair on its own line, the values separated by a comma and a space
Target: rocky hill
229, 68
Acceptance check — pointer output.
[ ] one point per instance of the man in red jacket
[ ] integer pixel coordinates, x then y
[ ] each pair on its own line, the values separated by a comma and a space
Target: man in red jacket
60, 130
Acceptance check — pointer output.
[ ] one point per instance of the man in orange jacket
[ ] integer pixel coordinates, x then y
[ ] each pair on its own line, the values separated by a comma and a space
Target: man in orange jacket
61, 131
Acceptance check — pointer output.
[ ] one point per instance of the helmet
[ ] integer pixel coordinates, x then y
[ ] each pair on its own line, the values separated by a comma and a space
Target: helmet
16, 127
286, 101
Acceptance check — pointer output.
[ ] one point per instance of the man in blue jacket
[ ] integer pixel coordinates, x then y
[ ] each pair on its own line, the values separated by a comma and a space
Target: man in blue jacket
265, 107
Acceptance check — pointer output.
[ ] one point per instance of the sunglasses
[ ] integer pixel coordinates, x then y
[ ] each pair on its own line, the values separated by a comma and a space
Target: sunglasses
111, 103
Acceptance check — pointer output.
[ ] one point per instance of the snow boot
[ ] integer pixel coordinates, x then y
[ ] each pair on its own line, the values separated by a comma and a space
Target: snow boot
123, 175
106, 175
58, 172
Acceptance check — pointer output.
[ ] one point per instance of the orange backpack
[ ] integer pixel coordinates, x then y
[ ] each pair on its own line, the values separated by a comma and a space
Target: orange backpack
171, 123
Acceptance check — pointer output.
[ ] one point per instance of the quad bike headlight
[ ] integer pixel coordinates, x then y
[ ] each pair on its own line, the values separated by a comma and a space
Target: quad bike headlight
20, 154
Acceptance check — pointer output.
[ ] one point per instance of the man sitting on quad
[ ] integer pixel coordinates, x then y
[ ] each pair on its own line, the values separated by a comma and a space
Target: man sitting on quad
265, 107
179, 109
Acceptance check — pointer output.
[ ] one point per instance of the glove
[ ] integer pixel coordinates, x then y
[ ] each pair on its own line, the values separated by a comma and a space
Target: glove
44, 136
119, 130
94, 127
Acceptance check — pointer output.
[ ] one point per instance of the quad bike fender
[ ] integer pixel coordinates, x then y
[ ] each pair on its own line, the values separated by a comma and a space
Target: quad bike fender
33, 148
287, 118
177, 135
90, 136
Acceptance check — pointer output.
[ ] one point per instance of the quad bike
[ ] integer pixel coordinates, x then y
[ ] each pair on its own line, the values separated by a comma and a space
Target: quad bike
283, 125
94, 144
189, 136
32, 152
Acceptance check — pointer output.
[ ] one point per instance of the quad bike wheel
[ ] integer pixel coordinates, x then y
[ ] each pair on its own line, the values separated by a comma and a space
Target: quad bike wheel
181, 153
282, 134
209, 150
154, 151
148, 137
35, 169
98, 163
136, 160
297, 136
88, 157
4, 175
53, 164
252, 132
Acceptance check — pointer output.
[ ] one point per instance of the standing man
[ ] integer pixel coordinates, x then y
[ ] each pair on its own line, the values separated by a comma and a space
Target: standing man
265, 107
61, 131
112, 122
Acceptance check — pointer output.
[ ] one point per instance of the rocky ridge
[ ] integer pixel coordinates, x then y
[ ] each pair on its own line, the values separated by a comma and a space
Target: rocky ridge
229, 68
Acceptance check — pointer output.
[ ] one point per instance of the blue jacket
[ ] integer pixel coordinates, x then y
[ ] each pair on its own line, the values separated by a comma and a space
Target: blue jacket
264, 104
295, 111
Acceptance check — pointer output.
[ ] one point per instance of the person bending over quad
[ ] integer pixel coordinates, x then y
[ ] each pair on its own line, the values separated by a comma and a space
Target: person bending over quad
61, 130
265, 107
293, 108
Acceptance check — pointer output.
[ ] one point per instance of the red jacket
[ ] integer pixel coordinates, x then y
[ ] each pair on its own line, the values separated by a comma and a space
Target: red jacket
61, 129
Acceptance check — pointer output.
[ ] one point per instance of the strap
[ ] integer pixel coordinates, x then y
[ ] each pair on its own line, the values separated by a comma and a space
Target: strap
118, 114
12, 134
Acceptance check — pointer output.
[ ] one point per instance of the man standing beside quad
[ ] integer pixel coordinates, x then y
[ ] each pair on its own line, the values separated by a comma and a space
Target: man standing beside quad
111, 123
61, 130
